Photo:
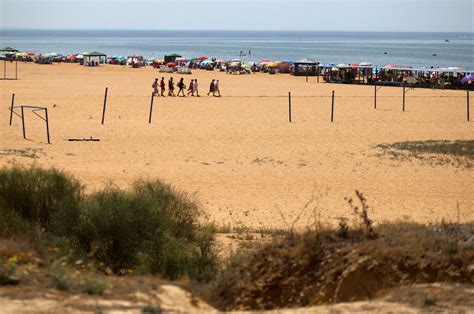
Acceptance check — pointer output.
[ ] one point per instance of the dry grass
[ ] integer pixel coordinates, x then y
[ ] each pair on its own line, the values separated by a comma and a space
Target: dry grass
456, 153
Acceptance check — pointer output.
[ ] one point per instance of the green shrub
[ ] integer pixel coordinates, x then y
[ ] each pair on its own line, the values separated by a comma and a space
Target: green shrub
152, 228
47, 198
7, 271
93, 286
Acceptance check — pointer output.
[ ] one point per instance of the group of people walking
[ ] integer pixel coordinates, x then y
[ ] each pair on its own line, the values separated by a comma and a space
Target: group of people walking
159, 88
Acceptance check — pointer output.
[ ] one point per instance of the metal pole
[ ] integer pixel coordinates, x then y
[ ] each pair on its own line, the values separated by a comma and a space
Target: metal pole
306, 74
151, 106
4, 69
468, 115
47, 123
289, 106
105, 104
23, 122
16, 69
11, 108
332, 107
375, 95
403, 107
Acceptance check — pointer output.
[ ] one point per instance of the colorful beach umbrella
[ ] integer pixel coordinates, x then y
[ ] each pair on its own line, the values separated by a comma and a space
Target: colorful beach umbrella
467, 78
207, 62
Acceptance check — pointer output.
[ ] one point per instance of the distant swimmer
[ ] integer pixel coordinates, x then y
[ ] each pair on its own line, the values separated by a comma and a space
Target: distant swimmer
434, 54
385, 53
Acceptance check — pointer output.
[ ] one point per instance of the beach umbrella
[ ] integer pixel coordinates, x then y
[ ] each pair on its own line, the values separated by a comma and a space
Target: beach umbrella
236, 60
467, 78
207, 62
171, 64
365, 64
391, 66
456, 69
202, 58
182, 59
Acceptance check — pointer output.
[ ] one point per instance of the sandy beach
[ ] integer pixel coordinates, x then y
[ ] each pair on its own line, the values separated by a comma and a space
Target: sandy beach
246, 163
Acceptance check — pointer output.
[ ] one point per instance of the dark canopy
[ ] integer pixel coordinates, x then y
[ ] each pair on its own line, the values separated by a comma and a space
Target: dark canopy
8, 49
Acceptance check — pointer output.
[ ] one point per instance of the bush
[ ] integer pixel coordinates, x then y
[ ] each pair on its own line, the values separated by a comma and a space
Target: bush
152, 228
93, 286
46, 198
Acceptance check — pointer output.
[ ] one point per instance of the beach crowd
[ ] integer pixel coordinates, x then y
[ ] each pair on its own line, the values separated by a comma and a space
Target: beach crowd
159, 88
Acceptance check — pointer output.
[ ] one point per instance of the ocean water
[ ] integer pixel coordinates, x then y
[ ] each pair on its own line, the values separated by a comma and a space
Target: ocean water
404, 49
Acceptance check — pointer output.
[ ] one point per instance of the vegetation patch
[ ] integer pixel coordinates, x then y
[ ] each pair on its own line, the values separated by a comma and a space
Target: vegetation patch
457, 153
354, 262
149, 229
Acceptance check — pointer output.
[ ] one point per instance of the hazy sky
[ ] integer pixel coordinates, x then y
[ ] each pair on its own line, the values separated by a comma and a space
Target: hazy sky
344, 15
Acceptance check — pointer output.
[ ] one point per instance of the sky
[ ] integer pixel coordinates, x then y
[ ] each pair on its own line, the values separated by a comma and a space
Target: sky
277, 15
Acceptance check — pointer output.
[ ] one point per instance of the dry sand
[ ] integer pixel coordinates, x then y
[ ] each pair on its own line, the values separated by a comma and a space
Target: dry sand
248, 165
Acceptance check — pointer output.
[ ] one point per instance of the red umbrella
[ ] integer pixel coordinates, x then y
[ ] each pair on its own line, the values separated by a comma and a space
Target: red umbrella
391, 66
202, 58
171, 64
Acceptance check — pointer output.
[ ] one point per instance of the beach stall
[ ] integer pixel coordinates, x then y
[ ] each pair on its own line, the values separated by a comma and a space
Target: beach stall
9, 54
172, 57
305, 67
136, 61
93, 58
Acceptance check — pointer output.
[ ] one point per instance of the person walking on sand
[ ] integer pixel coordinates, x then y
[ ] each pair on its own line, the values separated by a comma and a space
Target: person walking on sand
191, 88
155, 87
181, 87
216, 89
195, 88
211, 88
163, 86
171, 88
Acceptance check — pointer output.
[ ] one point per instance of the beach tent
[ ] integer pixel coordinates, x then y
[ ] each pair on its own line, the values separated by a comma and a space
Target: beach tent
305, 67
9, 49
172, 57
93, 58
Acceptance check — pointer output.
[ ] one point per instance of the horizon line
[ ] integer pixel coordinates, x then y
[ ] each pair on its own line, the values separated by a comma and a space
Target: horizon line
228, 30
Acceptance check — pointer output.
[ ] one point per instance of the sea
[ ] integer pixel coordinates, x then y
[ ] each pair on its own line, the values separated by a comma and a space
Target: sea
378, 48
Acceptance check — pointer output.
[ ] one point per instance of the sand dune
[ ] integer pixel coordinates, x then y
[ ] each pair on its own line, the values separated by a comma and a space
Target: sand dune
248, 165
